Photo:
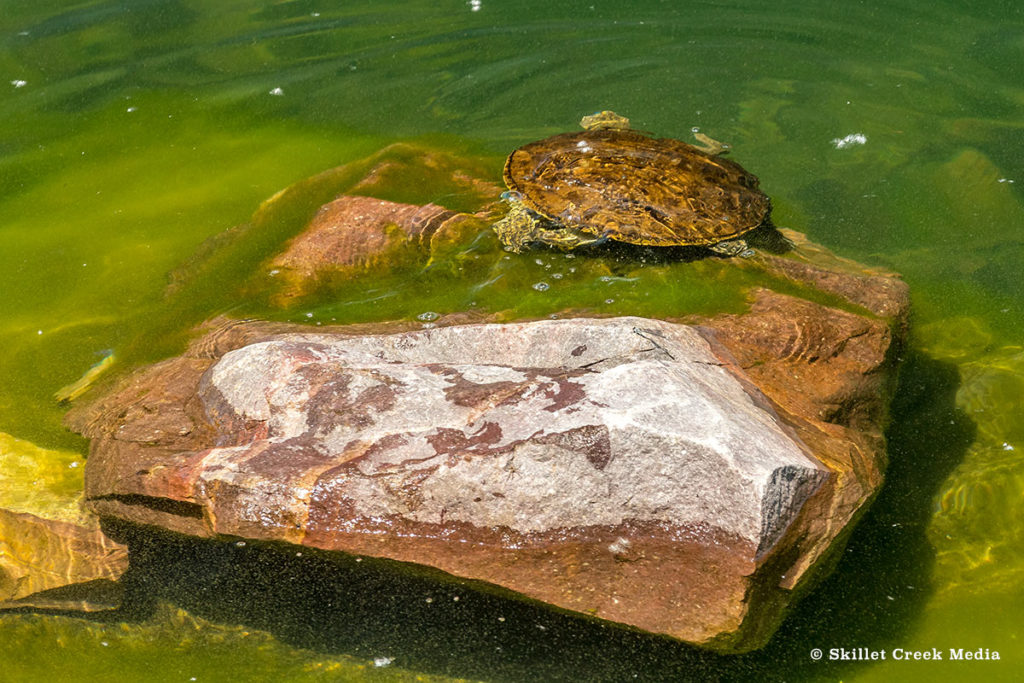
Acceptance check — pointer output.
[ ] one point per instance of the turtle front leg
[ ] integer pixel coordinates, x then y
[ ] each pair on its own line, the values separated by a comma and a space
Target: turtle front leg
518, 228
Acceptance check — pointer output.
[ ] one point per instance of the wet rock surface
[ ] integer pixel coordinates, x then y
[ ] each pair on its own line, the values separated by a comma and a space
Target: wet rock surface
676, 478
389, 233
53, 554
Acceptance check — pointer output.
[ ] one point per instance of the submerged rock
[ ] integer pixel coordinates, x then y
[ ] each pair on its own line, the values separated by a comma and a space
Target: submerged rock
976, 548
353, 236
53, 554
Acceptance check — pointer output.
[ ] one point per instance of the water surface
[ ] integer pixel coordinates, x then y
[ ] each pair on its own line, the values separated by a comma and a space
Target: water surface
133, 131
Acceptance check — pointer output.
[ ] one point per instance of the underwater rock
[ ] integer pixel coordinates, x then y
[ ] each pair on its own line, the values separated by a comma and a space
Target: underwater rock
354, 237
977, 549
53, 554
601, 466
239, 260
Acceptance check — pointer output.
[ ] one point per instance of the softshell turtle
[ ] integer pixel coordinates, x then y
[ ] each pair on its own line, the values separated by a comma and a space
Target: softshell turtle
611, 182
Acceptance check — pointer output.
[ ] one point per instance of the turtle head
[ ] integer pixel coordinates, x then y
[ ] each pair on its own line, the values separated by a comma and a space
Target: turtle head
605, 120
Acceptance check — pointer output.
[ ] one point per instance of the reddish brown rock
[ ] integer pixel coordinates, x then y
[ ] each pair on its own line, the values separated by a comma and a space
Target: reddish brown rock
501, 458
53, 554
409, 231
54, 564
354, 237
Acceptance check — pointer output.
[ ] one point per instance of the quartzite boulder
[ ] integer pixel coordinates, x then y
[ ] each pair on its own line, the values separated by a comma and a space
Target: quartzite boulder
624, 468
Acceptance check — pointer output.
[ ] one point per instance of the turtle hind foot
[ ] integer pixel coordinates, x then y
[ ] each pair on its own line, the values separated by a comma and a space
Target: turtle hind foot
732, 248
709, 145
567, 239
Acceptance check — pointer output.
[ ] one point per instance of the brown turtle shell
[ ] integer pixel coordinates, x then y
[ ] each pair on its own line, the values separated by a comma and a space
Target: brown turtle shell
637, 189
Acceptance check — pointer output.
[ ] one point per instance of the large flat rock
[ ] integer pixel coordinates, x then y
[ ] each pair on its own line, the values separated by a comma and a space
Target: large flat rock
625, 468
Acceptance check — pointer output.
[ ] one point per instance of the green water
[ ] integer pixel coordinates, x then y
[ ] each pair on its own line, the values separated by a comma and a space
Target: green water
143, 128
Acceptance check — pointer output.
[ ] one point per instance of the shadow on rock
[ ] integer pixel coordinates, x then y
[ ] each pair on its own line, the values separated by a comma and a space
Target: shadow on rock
882, 581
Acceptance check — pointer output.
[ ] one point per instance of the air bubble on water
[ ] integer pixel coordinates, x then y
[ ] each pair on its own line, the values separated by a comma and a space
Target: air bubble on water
695, 129
18, 83
309, 315
554, 316
429, 600
849, 140
382, 661
556, 276
240, 544
541, 286
475, 5
538, 261
428, 316
276, 92
609, 301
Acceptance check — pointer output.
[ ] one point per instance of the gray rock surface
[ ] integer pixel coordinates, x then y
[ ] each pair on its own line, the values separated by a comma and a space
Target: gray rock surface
496, 426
